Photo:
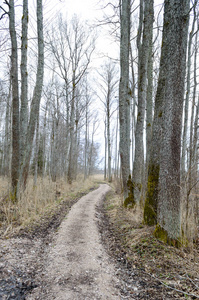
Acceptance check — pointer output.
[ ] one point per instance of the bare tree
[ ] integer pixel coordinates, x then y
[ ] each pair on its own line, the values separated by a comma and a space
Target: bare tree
15, 100
143, 58
169, 195
24, 80
124, 95
108, 86
35, 104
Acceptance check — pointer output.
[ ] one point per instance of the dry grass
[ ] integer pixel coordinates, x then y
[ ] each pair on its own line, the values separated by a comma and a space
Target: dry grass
178, 268
36, 200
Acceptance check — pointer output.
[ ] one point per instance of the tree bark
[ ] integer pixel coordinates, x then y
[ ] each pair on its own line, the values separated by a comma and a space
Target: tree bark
35, 105
15, 100
138, 166
175, 28
24, 80
124, 97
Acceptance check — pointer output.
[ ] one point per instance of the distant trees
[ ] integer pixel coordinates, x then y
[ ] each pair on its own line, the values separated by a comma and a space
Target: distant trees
72, 49
49, 127
108, 81
47, 139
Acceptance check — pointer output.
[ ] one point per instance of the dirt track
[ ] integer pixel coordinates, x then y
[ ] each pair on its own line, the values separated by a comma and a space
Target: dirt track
77, 266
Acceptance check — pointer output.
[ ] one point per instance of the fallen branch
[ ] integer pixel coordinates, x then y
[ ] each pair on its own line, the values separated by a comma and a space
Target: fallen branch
192, 282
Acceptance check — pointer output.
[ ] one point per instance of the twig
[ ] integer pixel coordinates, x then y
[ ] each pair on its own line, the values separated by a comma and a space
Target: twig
187, 276
168, 286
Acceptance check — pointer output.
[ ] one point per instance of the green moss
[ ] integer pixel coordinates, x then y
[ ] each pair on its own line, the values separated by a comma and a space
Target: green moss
130, 201
161, 234
150, 207
160, 114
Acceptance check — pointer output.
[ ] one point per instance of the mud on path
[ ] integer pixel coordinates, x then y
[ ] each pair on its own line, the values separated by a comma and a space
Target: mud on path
77, 266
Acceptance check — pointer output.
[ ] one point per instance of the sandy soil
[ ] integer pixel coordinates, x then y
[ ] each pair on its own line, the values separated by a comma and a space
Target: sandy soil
77, 266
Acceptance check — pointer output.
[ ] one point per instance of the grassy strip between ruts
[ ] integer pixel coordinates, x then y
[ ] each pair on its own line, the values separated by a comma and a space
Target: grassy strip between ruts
175, 269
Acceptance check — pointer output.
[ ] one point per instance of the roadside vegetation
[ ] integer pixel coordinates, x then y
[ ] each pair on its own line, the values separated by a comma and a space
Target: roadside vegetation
176, 270
39, 202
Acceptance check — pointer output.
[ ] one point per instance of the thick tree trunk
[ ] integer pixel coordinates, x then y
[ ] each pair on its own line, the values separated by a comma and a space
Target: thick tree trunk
176, 16
124, 97
15, 100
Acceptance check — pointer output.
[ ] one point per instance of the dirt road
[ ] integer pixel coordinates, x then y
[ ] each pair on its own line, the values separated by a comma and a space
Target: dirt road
77, 266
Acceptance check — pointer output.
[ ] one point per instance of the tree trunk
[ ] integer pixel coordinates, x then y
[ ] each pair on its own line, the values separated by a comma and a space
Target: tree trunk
72, 119
15, 101
175, 28
36, 153
108, 137
105, 148
138, 166
124, 97
24, 80
35, 105
184, 164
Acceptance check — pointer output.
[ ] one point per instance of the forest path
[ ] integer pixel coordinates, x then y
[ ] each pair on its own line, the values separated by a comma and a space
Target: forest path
77, 266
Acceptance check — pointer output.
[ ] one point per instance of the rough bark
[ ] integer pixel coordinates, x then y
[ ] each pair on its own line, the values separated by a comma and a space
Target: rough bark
24, 80
35, 104
124, 97
184, 163
15, 99
175, 28
149, 95
138, 166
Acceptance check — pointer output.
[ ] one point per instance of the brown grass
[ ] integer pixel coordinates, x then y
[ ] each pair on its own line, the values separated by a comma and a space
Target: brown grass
178, 268
36, 200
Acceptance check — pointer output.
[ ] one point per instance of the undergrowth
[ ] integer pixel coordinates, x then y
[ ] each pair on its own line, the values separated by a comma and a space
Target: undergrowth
38, 200
176, 269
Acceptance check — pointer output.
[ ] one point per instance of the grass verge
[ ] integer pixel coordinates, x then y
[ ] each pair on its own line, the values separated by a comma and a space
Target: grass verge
39, 204
177, 270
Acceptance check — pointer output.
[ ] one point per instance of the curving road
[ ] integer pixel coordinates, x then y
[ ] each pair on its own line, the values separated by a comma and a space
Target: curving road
77, 266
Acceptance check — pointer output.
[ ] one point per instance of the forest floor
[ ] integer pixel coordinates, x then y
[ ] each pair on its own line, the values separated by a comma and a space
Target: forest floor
109, 255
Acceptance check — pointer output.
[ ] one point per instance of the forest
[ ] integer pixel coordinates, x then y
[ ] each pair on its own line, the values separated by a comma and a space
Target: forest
52, 109
115, 101
76, 112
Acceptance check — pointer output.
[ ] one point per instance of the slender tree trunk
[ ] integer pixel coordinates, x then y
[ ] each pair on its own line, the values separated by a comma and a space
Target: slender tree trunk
86, 143
71, 149
7, 141
191, 156
149, 96
184, 164
108, 137
15, 100
133, 104
105, 149
175, 28
35, 105
24, 80
124, 97
36, 153
138, 166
